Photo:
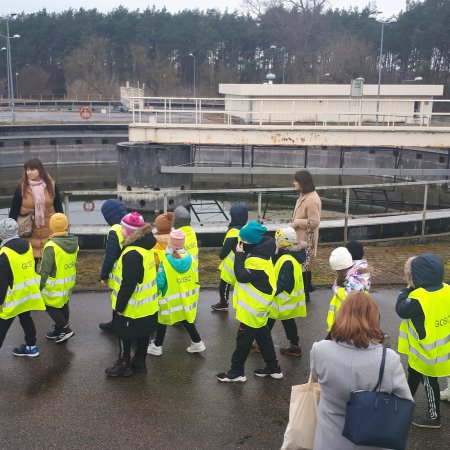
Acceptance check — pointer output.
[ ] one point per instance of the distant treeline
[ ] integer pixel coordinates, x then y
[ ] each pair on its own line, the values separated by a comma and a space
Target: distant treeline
87, 52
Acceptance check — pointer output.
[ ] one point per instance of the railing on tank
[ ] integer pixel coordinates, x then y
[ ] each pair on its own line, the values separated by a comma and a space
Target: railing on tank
260, 193
292, 113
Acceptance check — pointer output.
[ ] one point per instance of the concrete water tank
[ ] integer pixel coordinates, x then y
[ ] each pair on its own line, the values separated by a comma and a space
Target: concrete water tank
139, 169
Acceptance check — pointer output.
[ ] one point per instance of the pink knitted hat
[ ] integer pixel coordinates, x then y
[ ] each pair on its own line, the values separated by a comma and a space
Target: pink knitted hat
131, 222
176, 239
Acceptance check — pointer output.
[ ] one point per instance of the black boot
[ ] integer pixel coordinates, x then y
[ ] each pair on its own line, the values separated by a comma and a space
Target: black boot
306, 278
106, 326
312, 288
138, 364
121, 368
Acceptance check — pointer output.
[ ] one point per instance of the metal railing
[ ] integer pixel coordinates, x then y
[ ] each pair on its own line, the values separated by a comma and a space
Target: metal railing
290, 112
259, 192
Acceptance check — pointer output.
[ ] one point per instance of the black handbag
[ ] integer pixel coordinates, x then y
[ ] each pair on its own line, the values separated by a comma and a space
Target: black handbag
378, 419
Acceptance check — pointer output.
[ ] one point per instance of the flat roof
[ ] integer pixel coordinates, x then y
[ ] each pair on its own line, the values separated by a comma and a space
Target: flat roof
330, 90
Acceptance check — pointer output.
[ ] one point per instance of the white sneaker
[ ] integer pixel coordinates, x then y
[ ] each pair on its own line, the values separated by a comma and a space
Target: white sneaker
445, 395
154, 350
196, 347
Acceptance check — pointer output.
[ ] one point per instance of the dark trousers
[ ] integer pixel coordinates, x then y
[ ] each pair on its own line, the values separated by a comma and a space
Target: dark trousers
27, 324
141, 347
290, 328
190, 328
431, 386
60, 316
244, 340
224, 291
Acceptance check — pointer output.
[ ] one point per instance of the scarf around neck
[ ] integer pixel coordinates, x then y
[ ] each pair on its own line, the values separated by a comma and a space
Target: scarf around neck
38, 191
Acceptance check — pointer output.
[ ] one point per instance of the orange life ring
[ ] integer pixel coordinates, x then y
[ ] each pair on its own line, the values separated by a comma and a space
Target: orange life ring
88, 205
85, 112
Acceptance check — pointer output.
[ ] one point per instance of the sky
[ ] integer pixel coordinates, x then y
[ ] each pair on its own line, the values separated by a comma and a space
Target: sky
387, 8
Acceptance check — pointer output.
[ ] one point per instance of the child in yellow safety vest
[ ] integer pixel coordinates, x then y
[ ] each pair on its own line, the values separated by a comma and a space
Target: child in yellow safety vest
113, 211
19, 287
289, 301
183, 223
239, 217
164, 225
135, 300
179, 291
349, 277
58, 273
252, 297
424, 307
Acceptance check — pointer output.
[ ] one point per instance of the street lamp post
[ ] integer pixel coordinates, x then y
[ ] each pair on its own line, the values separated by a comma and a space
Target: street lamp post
383, 23
194, 86
274, 47
9, 66
17, 89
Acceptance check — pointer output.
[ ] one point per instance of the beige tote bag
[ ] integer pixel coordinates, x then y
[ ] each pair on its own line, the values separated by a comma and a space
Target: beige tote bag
301, 428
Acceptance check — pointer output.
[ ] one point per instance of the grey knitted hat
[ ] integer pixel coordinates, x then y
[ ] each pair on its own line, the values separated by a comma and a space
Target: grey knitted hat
8, 228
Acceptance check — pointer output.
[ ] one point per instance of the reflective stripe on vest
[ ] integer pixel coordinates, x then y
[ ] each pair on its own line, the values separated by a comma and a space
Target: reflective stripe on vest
289, 305
144, 300
227, 264
335, 305
191, 246
253, 306
25, 294
114, 278
180, 300
429, 356
56, 291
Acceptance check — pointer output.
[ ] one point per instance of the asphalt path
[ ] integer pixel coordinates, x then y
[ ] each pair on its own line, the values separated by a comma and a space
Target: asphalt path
62, 399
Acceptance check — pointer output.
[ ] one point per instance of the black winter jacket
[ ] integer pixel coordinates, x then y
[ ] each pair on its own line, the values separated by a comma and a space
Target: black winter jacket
258, 278
285, 281
133, 270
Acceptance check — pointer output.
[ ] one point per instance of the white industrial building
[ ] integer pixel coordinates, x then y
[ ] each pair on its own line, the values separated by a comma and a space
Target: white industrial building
330, 103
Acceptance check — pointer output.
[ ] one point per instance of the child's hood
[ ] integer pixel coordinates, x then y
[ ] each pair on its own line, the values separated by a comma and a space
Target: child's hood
113, 211
68, 243
181, 265
427, 272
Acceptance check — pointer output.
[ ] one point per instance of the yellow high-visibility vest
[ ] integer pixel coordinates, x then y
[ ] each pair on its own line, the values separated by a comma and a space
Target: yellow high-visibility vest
191, 246
253, 306
287, 305
335, 305
144, 300
180, 300
429, 356
227, 264
57, 289
25, 294
114, 280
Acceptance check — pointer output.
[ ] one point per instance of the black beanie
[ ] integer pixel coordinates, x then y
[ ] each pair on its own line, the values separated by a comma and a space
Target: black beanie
356, 250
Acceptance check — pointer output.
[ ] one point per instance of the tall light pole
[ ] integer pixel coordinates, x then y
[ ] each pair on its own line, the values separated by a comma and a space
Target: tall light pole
17, 89
193, 56
9, 66
274, 47
383, 23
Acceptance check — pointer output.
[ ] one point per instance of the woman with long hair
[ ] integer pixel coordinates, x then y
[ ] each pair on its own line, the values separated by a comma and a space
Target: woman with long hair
306, 221
351, 361
36, 193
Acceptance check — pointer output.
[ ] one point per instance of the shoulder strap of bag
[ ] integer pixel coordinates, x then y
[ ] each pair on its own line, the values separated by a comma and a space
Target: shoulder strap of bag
380, 376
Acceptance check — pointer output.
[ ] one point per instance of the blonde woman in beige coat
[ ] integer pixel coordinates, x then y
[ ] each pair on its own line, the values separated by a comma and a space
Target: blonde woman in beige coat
306, 221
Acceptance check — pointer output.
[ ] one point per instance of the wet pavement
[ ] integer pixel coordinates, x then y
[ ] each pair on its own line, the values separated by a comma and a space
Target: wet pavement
62, 398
